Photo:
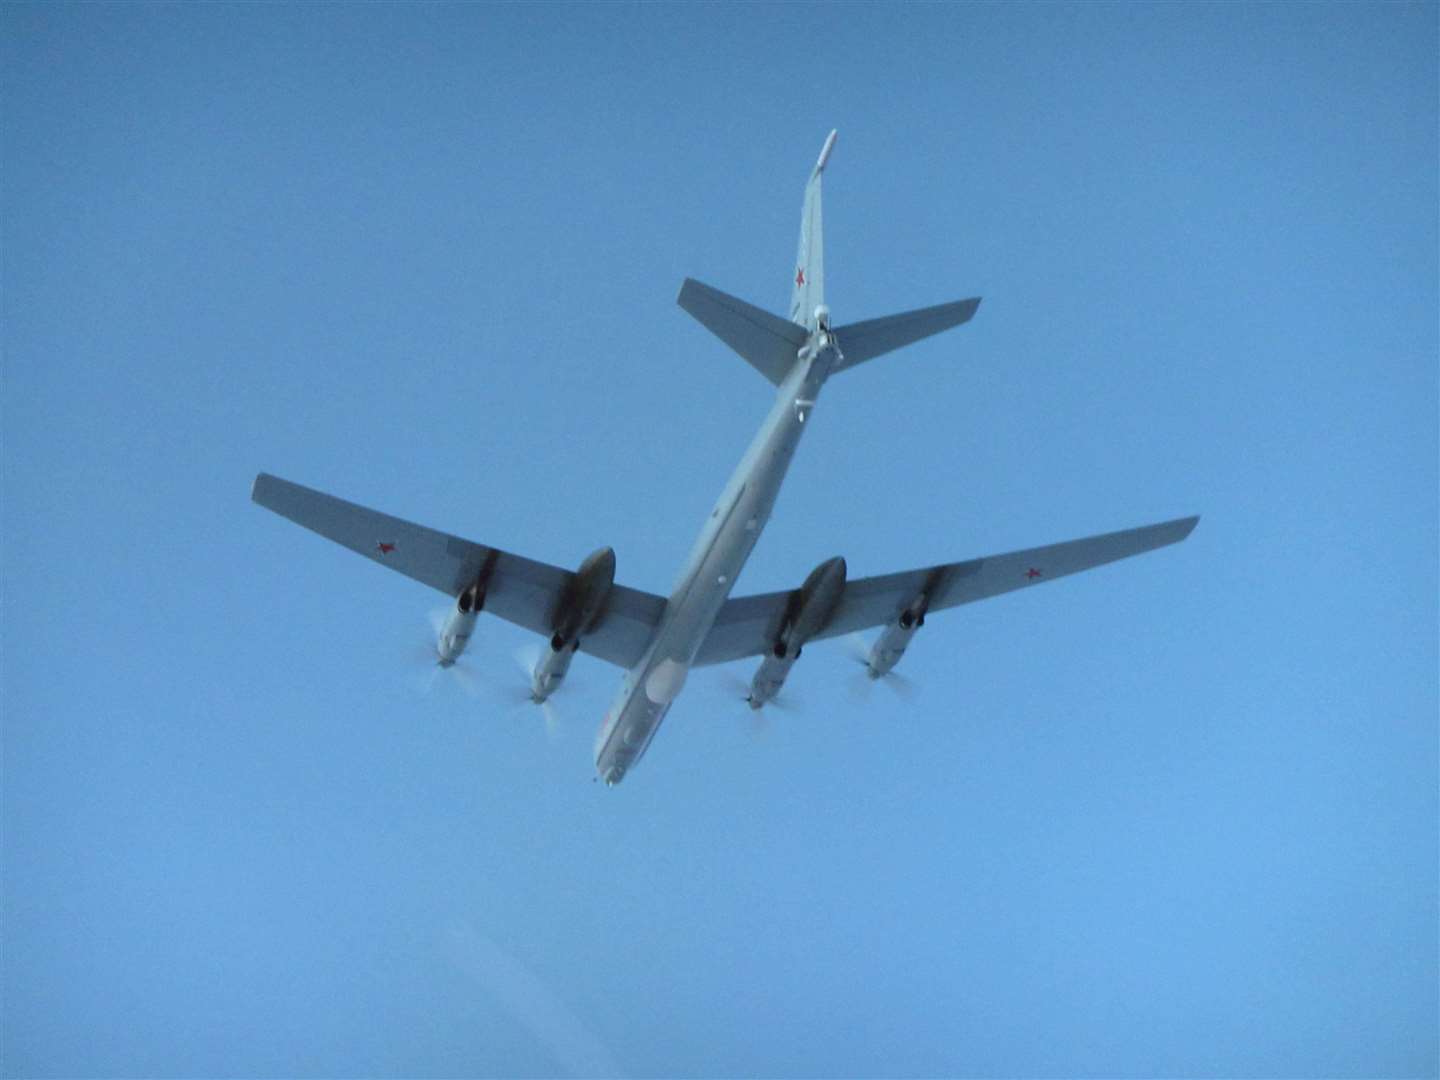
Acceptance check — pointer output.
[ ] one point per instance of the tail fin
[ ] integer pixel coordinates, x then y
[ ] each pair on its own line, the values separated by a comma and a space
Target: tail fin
875, 337
766, 341
770, 343
809, 290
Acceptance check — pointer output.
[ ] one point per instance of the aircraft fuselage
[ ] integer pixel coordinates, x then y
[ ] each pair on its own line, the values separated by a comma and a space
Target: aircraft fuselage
725, 542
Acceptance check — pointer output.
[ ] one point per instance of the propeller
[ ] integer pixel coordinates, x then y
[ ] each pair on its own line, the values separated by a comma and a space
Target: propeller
859, 650
737, 688
427, 661
785, 701
527, 656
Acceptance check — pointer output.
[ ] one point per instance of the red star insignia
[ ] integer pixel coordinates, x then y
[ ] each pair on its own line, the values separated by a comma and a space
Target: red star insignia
1032, 573
799, 275
385, 548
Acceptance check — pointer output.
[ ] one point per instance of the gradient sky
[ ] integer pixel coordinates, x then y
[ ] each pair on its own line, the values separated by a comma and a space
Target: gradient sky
1177, 817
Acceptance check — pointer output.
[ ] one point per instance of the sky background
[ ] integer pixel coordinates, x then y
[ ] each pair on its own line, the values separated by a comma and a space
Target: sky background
1177, 817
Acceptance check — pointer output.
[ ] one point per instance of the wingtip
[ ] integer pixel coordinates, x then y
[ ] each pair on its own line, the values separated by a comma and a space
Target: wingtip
1187, 525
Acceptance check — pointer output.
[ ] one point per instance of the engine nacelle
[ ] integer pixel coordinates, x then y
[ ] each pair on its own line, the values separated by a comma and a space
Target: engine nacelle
551, 668
583, 603
455, 634
580, 609
890, 646
809, 610
771, 676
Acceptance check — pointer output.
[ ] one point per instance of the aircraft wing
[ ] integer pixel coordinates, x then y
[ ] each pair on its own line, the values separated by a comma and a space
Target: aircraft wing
741, 627
519, 590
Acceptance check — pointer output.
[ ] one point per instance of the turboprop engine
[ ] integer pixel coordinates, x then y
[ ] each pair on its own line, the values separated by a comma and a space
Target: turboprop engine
455, 633
890, 646
809, 610
580, 607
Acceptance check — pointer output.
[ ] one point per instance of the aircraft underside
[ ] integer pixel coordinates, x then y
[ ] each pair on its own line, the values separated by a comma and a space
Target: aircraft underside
658, 640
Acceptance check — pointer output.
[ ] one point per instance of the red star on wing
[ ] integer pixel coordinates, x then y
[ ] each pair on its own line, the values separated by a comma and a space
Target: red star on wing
1032, 573
385, 548
799, 275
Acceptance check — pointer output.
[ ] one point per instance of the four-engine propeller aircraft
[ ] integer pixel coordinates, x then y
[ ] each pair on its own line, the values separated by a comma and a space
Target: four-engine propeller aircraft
658, 640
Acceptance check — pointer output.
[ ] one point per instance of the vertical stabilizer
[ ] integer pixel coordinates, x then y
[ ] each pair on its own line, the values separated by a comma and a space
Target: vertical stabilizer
809, 273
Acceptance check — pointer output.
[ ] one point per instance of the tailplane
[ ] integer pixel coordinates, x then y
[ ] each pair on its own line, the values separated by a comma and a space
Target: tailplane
875, 337
767, 342
770, 344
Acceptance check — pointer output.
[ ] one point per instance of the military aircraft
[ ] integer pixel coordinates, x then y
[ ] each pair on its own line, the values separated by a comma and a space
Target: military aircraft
657, 640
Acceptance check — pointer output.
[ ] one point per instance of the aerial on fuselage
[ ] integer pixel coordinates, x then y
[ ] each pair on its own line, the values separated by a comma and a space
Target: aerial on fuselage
657, 640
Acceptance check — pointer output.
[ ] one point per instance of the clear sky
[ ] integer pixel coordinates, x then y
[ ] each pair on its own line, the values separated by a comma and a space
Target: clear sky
1177, 817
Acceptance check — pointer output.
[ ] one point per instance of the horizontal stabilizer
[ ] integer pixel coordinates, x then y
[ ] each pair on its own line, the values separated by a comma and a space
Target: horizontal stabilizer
875, 337
768, 342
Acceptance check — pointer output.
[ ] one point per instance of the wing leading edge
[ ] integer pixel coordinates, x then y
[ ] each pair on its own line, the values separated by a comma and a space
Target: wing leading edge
741, 627
519, 590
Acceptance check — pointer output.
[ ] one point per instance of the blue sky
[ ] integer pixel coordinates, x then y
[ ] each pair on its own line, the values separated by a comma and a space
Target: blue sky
1173, 818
